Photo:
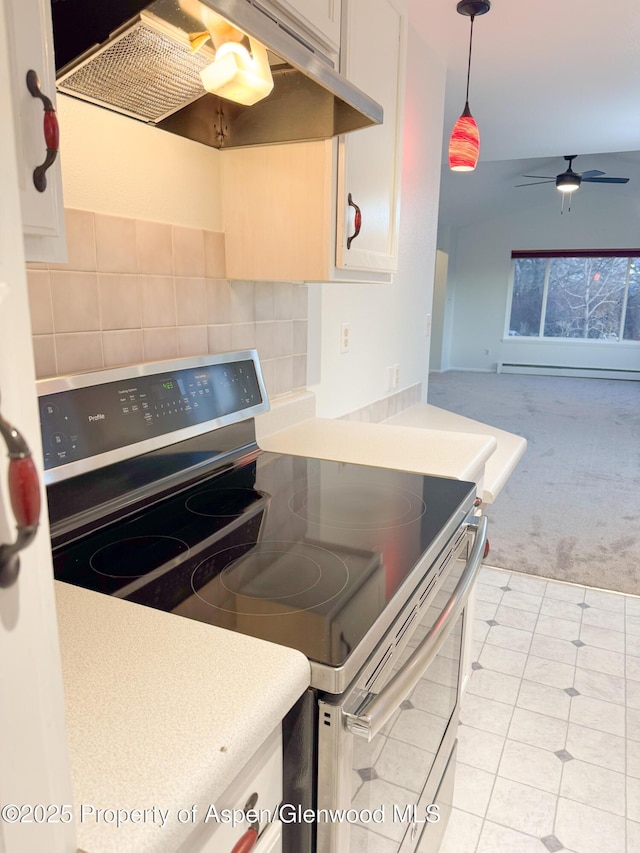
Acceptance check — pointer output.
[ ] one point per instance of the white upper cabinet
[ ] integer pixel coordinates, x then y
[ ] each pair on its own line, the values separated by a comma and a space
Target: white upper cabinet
286, 207
320, 17
369, 161
31, 49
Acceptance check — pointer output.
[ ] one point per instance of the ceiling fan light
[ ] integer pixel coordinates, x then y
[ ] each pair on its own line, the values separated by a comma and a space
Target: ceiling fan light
464, 144
568, 183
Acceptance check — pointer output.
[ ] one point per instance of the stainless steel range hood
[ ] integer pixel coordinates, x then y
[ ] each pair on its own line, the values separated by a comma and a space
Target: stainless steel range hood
145, 69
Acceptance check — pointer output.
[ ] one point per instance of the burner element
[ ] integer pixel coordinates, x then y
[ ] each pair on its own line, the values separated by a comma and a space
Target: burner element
136, 556
252, 575
271, 578
358, 506
222, 503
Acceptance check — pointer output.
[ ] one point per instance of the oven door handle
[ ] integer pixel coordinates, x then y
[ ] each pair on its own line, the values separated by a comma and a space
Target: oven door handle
378, 709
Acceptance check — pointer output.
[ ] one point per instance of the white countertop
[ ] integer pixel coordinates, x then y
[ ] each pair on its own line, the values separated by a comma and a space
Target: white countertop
163, 711
499, 466
442, 453
422, 438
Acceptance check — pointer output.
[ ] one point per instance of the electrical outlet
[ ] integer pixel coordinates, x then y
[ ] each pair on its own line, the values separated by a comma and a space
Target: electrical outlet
390, 374
427, 325
396, 376
345, 338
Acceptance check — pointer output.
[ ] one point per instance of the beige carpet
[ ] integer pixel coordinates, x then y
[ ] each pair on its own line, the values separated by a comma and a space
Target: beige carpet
571, 509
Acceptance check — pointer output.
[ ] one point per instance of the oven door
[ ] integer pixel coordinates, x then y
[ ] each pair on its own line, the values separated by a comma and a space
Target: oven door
385, 745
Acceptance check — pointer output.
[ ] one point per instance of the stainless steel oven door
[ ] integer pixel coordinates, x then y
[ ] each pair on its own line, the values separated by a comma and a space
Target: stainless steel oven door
384, 746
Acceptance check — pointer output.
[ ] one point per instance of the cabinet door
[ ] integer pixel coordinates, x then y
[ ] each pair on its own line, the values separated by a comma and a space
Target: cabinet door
33, 744
321, 17
277, 208
31, 47
373, 57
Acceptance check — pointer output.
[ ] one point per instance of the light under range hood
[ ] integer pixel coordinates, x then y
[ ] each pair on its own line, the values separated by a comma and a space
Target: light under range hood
141, 66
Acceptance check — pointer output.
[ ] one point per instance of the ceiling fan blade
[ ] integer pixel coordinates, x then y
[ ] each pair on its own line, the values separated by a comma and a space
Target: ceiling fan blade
606, 180
592, 173
550, 181
541, 177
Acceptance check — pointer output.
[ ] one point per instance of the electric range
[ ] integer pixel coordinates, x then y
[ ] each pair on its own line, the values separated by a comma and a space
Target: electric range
159, 494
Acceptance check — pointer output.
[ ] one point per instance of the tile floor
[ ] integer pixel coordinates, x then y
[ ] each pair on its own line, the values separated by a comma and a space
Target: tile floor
549, 746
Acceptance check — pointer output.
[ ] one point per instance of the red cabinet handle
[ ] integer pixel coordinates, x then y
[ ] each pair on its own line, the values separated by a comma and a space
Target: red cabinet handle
51, 132
24, 491
246, 842
357, 222
24, 494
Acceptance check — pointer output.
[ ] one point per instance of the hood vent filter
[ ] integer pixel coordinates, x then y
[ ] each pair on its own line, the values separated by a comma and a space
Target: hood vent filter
144, 67
147, 72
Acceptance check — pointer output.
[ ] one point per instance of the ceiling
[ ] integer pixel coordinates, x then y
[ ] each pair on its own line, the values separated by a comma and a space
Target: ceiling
548, 78
491, 189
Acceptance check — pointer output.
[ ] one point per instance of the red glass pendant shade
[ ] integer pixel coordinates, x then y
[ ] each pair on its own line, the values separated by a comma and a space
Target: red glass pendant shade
464, 144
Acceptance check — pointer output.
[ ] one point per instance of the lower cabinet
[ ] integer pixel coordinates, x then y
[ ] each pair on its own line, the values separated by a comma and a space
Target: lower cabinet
327, 210
257, 786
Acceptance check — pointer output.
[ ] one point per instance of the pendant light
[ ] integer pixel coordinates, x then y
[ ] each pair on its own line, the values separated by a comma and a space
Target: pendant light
464, 144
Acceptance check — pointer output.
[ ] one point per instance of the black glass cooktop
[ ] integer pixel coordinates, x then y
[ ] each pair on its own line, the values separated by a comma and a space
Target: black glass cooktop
302, 552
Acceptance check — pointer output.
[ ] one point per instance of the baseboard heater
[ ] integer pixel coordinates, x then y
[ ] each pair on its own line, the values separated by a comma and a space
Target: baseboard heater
566, 370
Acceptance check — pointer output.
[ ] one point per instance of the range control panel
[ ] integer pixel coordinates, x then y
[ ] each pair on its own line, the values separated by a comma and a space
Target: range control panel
81, 422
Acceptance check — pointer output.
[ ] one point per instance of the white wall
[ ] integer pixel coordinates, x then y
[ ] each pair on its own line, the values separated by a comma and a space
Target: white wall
116, 165
388, 321
480, 270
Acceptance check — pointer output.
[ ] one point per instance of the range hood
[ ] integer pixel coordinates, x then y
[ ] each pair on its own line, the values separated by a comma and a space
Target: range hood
136, 58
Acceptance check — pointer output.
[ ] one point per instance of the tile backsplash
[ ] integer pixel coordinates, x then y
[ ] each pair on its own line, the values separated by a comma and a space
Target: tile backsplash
388, 406
136, 291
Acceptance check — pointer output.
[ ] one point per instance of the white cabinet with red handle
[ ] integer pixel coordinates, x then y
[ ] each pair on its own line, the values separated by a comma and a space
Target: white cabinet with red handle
33, 742
327, 210
370, 161
37, 137
245, 818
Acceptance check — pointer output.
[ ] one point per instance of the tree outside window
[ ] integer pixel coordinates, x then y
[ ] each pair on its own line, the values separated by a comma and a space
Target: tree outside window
582, 296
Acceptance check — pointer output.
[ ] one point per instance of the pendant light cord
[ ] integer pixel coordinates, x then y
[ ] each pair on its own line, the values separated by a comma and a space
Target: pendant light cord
469, 62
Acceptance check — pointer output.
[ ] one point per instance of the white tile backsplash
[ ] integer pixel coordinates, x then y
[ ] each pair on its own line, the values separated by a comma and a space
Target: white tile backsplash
136, 291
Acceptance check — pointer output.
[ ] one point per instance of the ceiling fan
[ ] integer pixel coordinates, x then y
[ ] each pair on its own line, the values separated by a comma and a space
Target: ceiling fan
569, 180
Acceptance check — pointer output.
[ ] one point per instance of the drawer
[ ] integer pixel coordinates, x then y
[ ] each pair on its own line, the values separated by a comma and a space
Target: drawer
261, 781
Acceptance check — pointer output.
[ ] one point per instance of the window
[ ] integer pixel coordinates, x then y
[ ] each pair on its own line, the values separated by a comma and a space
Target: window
584, 295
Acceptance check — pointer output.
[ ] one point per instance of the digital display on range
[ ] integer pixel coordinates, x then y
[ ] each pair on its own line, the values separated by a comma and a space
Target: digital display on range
83, 422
